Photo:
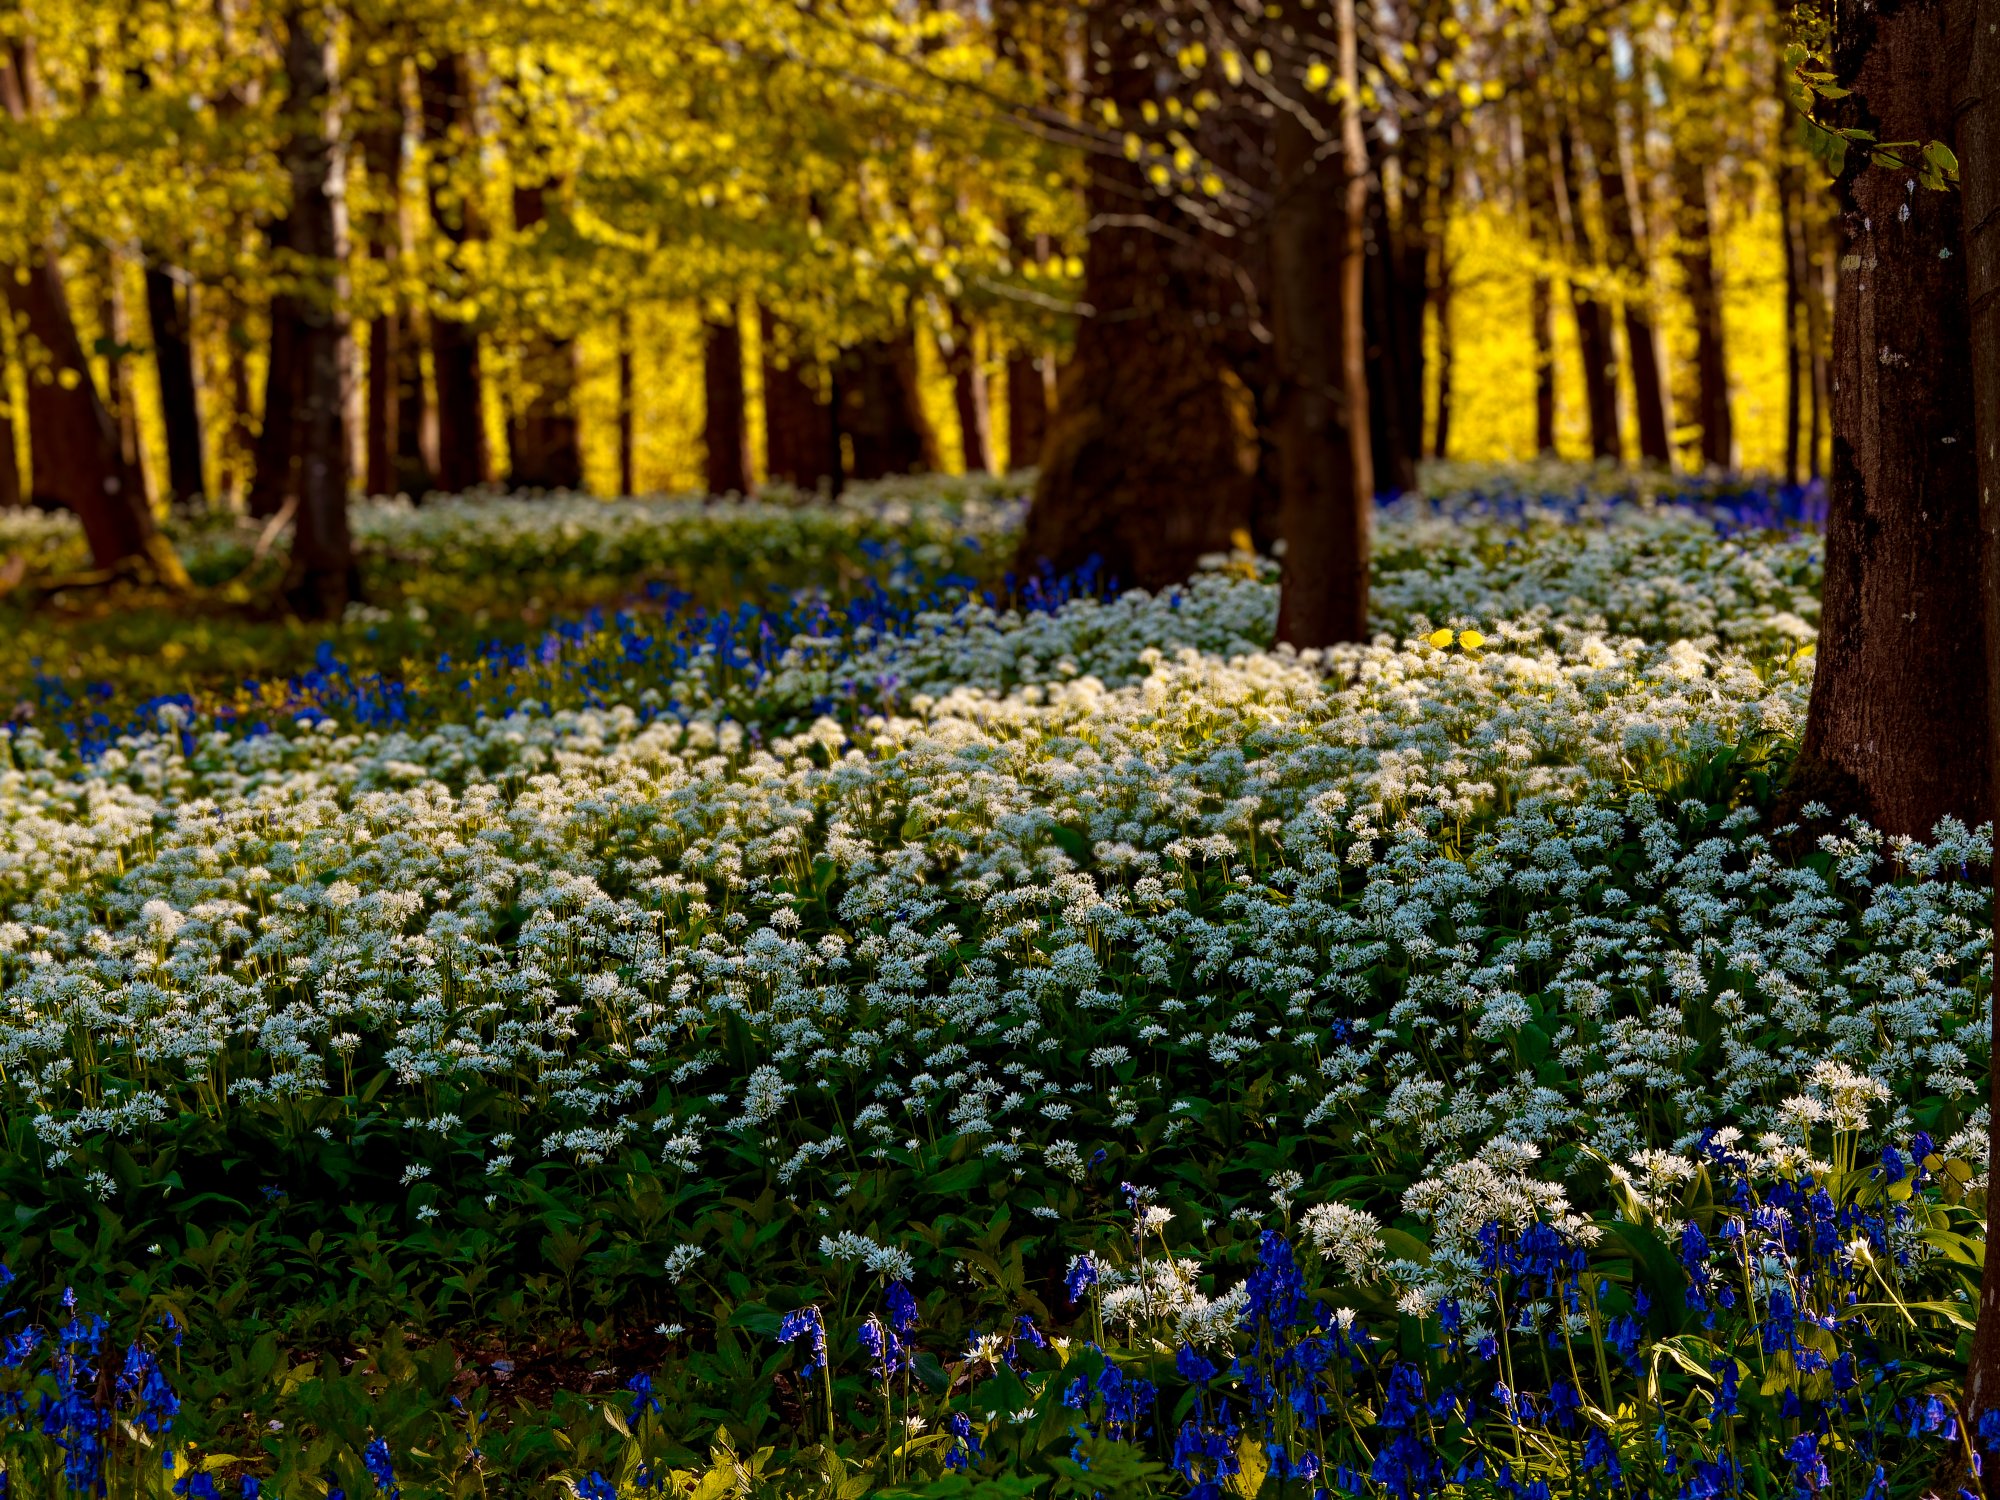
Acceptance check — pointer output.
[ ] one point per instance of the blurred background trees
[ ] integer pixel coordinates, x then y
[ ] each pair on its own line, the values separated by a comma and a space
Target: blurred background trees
1214, 267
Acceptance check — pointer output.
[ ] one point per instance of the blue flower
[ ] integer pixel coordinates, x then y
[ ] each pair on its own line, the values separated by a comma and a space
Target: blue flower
643, 1399
594, 1486
964, 1450
806, 1324
902, 1308
375, 1458
1082, 1275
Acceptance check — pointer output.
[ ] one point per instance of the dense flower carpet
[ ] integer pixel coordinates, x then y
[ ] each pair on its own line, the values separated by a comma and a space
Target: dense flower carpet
925, 1031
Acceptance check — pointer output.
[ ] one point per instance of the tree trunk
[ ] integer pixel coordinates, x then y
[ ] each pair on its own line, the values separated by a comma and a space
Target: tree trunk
1441, 438
627, 484
445, 93
546, 449
76, 462
880, 411
1151, 454
1819, 302
1792, 241
394, 421
1704, 293
725, 424
320, 581
1897, 726
1326, 479
1396, 292
172, 323
12, 496
274, 457
1975, 41
1529, 153
1596, 345
1626, 237
968, 390
797, 424
1027, 407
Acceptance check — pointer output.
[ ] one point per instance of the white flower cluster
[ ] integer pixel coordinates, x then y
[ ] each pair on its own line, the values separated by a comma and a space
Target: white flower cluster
1452, 905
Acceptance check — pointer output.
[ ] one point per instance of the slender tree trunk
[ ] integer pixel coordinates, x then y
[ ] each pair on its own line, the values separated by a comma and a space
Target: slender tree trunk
393, 421
320, 581
1897, 727
1326, 474
1441, 437
275, 455
797, 423
1791, 234
1626, 238
1975, 40
726, 424
445, 92
1704, 293
1151, 455
76, 461
968, 389
172, 320
1395, 292
1819, 302
12, 496
627, 401
1595, 342
880, 410
1528, 153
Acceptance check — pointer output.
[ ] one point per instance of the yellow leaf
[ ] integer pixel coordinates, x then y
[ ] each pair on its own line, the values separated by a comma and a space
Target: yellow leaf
1472, 640
1439, 638
1251, 1467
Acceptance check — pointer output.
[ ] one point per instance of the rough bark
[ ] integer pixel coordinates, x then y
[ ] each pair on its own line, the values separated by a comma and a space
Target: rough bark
968, 393
1975, 37
797, 424
1897, 727
75, 460
726, 423
1326, 479
1704, 294
879, 409
320, 578
1152, 450
445, 94
169, 309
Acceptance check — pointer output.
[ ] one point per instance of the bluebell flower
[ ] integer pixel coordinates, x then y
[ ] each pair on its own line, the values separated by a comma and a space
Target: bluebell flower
805, 1324
643, 1399
964, 1450
375, 1458
594, 1486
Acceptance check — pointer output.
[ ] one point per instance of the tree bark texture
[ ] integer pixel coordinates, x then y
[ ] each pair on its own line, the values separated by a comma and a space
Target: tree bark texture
1326, 478
275, 453
1897, 727
1027, 406
320, 579
1151, 453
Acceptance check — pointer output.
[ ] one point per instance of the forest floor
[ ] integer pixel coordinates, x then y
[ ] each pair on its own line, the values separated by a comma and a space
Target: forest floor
705, 999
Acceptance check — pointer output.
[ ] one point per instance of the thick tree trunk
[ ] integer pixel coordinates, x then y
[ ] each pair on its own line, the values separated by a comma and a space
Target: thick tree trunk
544, 438
115, 333
172, 323
1151, 454
445, 92
1975, 40
320, 580
880, 410
76, 462
1326, 478
1396, 292
1027, 407
797, 424
627, 400
1704, 294
726, 423
968, 391
1897, 729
